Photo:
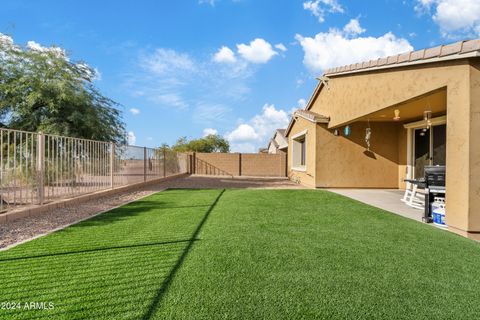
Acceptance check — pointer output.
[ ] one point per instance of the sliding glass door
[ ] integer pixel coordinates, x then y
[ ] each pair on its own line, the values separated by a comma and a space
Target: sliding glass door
429, 148
439, 145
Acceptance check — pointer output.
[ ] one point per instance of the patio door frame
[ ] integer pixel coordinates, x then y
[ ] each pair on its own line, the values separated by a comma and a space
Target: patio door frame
411, 127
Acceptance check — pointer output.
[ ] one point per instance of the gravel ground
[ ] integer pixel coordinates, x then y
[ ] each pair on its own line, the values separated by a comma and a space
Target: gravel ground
29, 227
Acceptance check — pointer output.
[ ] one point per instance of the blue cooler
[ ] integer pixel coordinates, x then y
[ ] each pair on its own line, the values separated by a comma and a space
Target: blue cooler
438, 216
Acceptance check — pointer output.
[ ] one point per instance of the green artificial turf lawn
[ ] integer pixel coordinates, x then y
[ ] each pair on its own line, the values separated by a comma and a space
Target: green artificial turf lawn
271, 254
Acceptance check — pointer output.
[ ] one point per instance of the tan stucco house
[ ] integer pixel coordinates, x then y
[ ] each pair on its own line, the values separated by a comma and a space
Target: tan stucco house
391, 98
278, 143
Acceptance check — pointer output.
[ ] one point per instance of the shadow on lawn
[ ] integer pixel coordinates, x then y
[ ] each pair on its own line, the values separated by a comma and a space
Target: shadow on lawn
98, 249
131, 210
104, 281
168, 280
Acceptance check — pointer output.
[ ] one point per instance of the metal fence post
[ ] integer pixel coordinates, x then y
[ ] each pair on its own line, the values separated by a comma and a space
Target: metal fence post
112, 163
41, 167
144, 164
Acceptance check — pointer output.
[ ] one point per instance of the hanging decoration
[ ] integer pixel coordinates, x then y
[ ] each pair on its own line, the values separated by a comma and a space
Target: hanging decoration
347, 131
336, 132
368, 134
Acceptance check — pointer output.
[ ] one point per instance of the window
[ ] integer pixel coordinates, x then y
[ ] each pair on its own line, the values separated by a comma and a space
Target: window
299, 151
302, 155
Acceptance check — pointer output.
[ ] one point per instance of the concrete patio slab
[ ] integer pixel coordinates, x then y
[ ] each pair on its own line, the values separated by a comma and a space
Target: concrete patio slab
386, 199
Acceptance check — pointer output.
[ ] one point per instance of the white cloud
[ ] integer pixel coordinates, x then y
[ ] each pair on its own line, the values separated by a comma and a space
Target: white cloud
353, 28
131, 138
225, 55
170, 100
210, 2
167, 61
336, 48
253, 134
244, 147
320, 7
281, 47
210, 113
134, 111
209, 131
301, 103
168, 78
258, 51
456, 18
242, 133
163, 74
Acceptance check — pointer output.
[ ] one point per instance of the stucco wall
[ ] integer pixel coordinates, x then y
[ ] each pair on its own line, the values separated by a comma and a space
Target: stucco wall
402, 156
344, 162
351, 97
348, 98
474, 145
307, 177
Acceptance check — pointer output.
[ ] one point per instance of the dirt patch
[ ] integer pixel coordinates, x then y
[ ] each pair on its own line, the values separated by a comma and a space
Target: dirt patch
30, 227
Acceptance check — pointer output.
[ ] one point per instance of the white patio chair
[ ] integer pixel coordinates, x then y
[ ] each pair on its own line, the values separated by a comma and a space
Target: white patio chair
413, 196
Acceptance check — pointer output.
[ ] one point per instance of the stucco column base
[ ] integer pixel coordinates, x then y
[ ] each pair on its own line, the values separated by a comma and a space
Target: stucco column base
474, 235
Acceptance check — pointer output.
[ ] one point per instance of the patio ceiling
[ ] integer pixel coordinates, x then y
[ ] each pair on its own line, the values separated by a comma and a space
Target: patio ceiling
412, 110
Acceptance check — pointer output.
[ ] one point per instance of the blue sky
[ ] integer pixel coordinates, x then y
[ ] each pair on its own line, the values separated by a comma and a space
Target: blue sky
235, 67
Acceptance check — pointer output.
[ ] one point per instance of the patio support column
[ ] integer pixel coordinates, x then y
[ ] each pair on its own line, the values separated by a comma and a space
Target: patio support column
463, 155
474, 160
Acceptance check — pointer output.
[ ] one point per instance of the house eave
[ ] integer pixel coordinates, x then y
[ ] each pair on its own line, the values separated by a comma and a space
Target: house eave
453, 57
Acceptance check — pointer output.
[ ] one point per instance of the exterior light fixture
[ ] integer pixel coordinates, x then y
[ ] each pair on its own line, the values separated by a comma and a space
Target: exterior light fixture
397, 115
427, 116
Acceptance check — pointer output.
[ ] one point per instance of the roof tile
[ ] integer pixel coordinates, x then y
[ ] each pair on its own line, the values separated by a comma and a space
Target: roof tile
451, 49
457, 48
432, 52
471, 45
404, 57
392, 59
417, 55
382, 61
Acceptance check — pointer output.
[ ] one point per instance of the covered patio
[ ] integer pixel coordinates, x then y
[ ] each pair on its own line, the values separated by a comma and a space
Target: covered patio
405, 138
384, 121
386, 199
416, 128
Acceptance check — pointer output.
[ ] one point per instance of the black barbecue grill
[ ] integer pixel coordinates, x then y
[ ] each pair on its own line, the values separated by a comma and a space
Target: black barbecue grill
434, 187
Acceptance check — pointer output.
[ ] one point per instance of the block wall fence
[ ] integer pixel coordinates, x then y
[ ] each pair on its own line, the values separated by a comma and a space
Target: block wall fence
238, 164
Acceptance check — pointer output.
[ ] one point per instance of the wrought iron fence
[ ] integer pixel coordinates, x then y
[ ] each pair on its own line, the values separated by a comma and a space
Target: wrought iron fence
36, 168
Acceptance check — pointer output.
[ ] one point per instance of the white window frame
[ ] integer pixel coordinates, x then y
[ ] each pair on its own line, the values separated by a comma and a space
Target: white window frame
303, 150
